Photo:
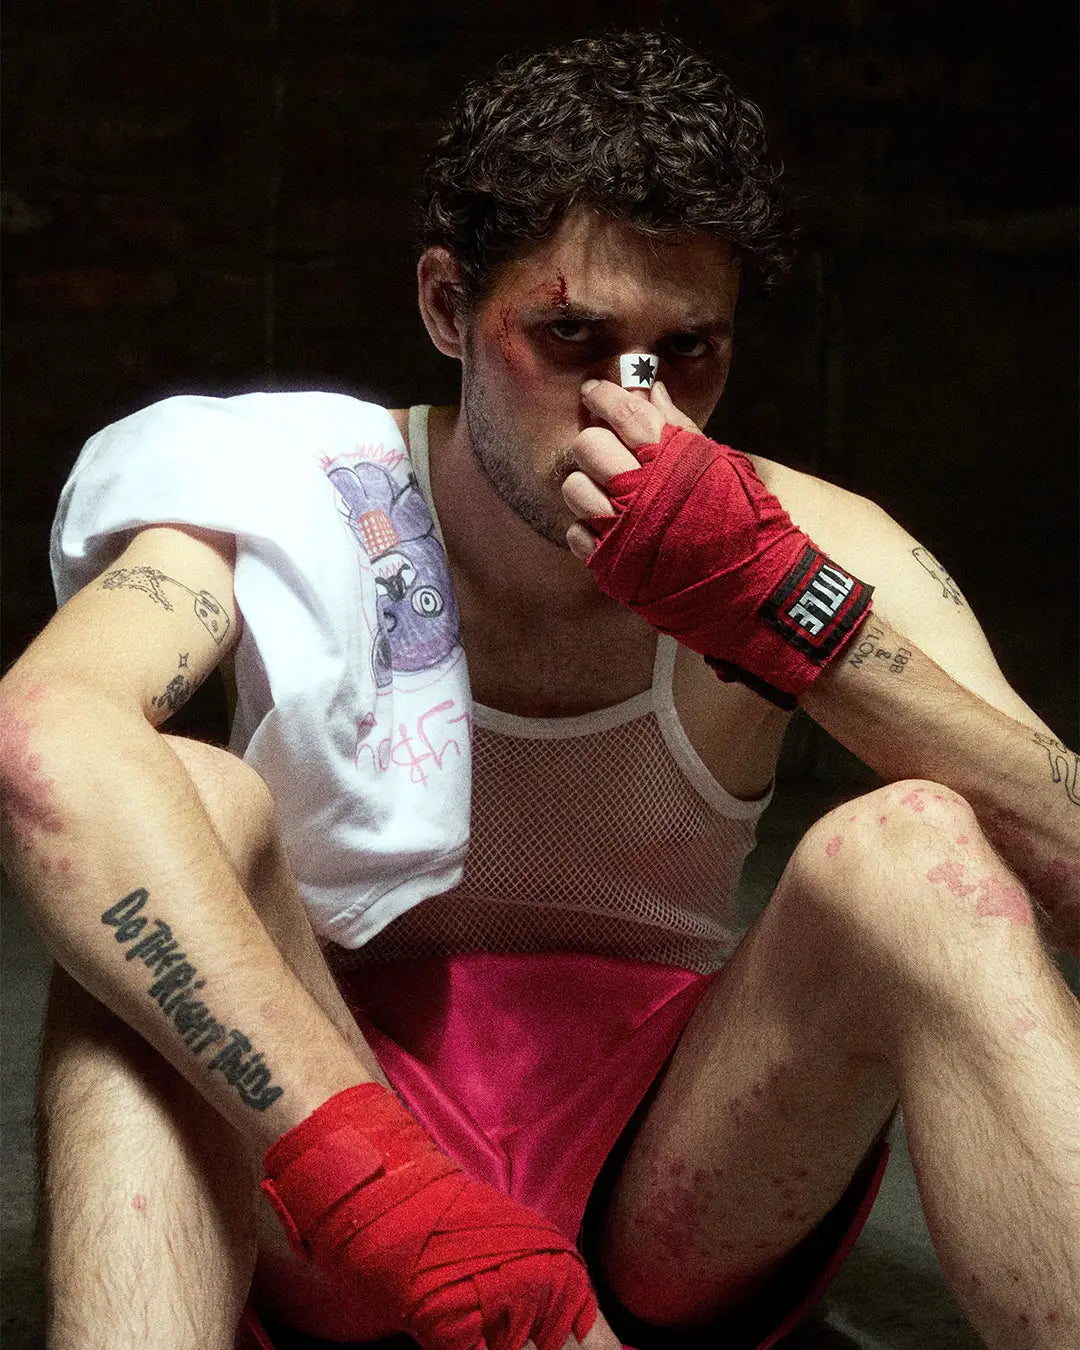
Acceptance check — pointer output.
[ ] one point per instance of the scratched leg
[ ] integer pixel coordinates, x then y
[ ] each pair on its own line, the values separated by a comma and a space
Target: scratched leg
898, 957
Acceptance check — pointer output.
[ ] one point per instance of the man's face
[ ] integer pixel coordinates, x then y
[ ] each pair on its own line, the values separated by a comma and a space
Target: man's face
563, 314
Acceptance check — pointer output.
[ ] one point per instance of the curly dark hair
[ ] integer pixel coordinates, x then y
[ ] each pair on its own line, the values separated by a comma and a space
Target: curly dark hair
635, 125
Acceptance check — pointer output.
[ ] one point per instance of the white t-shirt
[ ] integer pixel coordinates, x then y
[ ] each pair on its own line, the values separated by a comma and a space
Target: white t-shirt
354, 695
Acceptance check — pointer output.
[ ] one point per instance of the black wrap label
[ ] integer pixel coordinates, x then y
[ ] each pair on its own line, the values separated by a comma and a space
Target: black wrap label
817, 605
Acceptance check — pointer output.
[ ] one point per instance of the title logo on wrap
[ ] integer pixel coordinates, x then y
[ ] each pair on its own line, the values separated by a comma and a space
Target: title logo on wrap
817, 605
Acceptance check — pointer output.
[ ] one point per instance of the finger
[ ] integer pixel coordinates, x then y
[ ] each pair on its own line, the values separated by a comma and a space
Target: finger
579, 541
601, 454
662, 399
635, 420
584, 498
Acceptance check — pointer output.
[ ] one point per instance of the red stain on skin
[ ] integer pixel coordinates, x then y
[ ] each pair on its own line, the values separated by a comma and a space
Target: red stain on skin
913, 801
506, 337
882, 819
63, 865
1025, 1024
1002, 900
832, 848
560, 296
28, 805
962, 839
951, 873
139, 1202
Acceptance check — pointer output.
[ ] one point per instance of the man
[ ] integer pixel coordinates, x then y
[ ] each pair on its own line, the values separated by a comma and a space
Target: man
553, 1002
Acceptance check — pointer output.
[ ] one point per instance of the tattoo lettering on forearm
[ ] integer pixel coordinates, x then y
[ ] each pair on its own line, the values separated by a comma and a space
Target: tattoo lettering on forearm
178, 690
1064, 765
174, 987
152, 582
949, 589
868, 650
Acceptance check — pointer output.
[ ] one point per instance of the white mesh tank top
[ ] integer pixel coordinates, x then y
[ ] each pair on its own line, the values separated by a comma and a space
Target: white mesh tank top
601, 833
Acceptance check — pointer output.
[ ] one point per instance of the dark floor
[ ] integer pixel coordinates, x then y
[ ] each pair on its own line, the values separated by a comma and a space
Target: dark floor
889, 1295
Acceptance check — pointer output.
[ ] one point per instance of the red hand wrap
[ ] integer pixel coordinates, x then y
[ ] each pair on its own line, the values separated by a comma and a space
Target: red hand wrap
453, 1262
702, 550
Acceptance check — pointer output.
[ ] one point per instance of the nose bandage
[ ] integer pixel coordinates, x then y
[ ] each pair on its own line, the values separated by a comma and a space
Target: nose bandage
637, 370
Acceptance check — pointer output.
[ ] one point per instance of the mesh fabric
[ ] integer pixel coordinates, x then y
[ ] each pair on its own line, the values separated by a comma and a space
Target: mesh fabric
590, 842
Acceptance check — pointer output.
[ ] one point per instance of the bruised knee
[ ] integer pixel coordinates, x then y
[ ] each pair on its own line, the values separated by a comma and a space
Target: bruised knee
906, 861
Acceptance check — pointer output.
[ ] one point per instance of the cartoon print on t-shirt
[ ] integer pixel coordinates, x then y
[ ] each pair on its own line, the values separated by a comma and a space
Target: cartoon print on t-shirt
417, 613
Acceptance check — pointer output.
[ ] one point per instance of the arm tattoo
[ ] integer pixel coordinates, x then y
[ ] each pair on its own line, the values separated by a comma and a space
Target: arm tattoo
148, 579
949, 589
174, 986
869, 650
178, 690
1064, 765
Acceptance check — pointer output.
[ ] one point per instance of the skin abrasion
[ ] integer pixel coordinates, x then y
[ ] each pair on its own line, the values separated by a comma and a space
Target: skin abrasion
951, 873
26, 795
996, 898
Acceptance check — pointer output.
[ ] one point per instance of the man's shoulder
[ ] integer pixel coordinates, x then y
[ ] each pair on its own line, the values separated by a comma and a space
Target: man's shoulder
292, 412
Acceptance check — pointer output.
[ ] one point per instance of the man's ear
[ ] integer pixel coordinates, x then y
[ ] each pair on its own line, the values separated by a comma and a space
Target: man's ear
439, 283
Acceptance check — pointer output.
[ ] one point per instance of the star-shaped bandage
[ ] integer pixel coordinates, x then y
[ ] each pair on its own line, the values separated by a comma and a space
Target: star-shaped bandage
644, 370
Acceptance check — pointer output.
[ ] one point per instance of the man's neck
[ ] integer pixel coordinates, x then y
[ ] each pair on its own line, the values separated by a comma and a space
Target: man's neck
490, 547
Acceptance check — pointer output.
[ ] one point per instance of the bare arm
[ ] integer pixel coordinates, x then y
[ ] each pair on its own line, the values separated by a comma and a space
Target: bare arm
903, 715
108, 845
919, 694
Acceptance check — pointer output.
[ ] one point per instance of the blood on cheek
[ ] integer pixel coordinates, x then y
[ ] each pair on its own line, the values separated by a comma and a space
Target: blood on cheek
516, 350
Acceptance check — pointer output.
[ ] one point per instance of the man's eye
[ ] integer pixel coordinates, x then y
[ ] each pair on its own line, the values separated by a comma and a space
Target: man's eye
688, 345
567, 330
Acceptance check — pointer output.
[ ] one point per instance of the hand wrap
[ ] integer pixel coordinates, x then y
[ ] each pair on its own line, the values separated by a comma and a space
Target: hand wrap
703, 551
451, 1261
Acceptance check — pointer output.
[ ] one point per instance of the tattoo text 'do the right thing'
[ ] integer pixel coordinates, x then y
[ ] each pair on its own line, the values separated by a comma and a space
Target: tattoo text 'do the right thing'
174, 988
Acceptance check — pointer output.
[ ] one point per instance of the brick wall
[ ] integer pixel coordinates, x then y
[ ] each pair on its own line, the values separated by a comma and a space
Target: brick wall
216, 198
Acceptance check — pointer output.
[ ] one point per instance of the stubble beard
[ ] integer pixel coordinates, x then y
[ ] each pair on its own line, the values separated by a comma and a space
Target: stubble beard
510, 482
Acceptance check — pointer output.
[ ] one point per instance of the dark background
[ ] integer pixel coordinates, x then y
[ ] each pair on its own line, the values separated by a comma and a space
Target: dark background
216, 197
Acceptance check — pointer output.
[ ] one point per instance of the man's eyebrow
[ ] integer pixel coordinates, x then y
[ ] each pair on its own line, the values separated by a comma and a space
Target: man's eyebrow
713, 327
578, 314
570, 311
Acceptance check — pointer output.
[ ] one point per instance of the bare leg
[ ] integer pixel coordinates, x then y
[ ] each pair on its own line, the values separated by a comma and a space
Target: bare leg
898, 956
146, 1196
148, 1214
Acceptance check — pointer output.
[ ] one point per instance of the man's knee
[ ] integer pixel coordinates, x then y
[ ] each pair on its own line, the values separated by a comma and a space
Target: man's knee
901, 866
238, 804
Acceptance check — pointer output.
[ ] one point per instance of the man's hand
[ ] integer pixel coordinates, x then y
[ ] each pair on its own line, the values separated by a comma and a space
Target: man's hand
359, 1186
693, 541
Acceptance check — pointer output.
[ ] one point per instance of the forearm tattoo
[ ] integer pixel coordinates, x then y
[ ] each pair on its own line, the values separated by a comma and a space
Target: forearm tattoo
179, 689
174, 986
869, 649
1064, 765
152, 582
949, 589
